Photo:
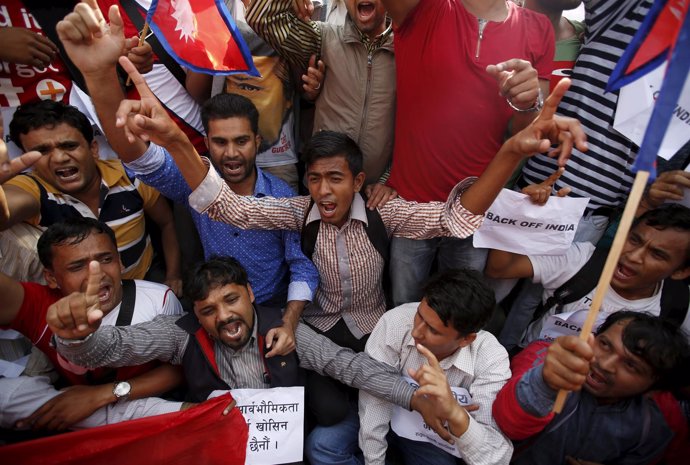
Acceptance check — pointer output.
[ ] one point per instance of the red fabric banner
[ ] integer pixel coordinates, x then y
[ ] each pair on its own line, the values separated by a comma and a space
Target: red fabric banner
200, 435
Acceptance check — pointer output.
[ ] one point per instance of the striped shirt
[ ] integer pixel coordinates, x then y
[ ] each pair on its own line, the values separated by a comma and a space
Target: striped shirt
123, 201
482, 368
603, 172
161, 339
350, 268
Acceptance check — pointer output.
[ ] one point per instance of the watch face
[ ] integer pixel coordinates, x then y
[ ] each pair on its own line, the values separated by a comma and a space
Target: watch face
122, 389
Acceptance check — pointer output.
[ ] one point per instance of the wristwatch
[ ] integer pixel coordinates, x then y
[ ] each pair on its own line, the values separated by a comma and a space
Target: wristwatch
121, 390
538, 104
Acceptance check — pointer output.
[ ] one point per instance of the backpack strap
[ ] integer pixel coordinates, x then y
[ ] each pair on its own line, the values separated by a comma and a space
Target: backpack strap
309, 233
675, 297
576, 287
129, 294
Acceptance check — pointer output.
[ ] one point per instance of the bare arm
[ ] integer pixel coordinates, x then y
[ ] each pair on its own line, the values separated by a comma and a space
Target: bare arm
94, 48
17, 206
78, 402
12, 296
161, 213
199, 86
502, 264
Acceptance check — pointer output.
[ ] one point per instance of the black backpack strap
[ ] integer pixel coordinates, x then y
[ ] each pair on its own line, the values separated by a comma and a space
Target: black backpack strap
129, 295
376, 231
576, 287
675, 297
135, 15
309, 233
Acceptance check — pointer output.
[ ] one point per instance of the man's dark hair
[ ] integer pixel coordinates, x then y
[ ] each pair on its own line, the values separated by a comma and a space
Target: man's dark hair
71, 231
329, 144
461, 299
48, 113
667, 216
656, 341
214, 272
224, 106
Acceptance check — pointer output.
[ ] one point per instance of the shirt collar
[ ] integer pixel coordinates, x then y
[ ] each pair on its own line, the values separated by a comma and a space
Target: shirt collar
357, 211
110, 175
461, 359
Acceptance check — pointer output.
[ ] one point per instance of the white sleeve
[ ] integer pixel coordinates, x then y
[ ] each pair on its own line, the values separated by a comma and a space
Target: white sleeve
554, 270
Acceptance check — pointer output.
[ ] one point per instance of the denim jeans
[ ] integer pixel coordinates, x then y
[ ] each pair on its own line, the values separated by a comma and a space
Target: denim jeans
411, 262
337, 444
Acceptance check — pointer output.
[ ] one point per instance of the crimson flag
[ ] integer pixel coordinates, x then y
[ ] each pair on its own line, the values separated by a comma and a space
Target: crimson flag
201, 35
200, 435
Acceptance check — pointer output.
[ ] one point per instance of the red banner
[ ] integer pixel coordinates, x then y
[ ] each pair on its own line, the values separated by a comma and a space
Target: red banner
200, 435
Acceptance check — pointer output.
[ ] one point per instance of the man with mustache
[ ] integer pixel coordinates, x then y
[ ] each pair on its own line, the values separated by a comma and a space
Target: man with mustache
607, 419
221, 345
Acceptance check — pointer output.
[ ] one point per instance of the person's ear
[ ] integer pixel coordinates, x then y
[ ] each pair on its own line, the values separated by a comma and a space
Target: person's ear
206, 141
251, 293
50, 279
359, 181
93, 147
681, 273
467, 339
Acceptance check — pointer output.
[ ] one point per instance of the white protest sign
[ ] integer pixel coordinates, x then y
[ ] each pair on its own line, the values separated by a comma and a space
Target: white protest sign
567, 324
514, 224
635, 105
276, 423
411, 425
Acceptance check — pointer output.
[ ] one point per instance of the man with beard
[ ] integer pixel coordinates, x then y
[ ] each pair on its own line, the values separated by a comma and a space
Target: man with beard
65, 250
221, 345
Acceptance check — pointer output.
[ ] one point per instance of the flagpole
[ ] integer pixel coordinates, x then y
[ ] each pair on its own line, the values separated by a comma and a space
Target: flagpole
638, 187
142, 39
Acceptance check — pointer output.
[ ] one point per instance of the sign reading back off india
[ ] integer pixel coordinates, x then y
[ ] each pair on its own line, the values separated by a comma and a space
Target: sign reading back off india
514, 224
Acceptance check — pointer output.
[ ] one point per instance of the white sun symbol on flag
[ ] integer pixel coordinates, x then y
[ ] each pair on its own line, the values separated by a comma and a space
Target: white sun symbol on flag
183, 14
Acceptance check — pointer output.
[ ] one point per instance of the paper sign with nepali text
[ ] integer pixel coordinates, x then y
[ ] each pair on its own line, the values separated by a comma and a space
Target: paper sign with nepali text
411, 425
514, 224
275, 418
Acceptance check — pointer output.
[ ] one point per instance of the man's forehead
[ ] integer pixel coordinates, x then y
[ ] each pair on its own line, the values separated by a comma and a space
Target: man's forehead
334, 164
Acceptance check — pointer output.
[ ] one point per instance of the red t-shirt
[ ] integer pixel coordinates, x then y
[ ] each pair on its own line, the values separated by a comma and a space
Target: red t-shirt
450, 118
21, 84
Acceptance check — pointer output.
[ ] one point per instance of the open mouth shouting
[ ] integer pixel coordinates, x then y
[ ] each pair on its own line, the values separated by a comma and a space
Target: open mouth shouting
67, 175
327, 209
596, 380
365, 11
233, 168
233, 332
623, 273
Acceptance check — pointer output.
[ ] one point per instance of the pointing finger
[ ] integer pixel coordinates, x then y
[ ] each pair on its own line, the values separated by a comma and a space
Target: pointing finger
137, 79
554, 99
433, 361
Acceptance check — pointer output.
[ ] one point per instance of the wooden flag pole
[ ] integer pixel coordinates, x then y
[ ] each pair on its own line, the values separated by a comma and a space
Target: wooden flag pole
638, 187
142, 39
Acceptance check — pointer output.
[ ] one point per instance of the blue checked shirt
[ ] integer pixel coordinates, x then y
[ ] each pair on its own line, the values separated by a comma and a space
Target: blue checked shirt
273, 259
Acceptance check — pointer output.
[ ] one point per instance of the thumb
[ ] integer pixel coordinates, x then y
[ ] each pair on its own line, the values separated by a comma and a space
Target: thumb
270, 336
116, 24
312, 61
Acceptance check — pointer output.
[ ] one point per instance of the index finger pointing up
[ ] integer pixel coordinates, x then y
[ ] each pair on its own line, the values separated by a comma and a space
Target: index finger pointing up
136, 78
554, 99
431, 358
